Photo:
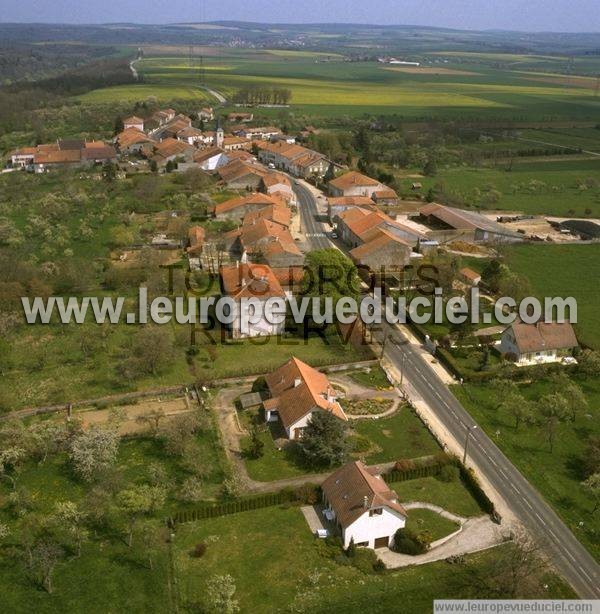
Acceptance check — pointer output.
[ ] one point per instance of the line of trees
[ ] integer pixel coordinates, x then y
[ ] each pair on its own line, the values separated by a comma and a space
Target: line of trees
263, 95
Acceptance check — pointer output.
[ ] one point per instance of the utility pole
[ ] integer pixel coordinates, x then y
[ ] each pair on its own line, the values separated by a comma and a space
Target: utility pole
385, 338
202, 71
597, 90
469, 429
402, 369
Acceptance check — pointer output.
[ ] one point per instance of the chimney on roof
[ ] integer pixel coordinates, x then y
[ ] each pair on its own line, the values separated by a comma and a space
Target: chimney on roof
366, 502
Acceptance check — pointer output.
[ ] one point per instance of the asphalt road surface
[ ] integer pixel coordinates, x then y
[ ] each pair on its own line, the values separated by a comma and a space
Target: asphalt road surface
571, 559
314, 230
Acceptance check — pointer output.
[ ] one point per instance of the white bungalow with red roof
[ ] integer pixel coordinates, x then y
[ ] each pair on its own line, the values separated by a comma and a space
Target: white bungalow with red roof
532, 344
363, 506
297, 392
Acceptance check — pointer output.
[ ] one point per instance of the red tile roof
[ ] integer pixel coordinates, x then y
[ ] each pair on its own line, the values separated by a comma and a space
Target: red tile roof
351, 179
246, 280
257, 198
543, 336
352, 490
298, 389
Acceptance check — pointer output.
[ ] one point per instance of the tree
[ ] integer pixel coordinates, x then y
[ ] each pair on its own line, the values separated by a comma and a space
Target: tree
178, 431
152, 419
152, 349
220, 591
430, 169
520, 408
324, 440
139, 501
45, 556
118, 125
554, 409
109, 171
72, 521
493, 273
256, 448
592, 485
515, 572
589, 363
192, 489
572, 392
150, 542
329, 273
591, 457
94, 451
503, 390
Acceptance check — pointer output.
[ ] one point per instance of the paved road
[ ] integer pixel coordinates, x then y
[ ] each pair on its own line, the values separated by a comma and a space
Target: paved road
217, 95
314, 230
568, 555
585, 151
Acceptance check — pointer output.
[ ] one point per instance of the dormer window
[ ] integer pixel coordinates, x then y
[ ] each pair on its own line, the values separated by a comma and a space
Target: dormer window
376, 512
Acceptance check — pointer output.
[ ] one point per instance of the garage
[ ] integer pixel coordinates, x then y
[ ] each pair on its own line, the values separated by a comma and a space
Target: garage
382, 542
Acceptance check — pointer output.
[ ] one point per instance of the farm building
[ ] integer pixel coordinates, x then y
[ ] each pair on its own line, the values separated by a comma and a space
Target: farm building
447, 223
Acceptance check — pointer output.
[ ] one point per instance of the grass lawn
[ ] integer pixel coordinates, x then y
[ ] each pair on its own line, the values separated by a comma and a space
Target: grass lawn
557, 474
375, 377
274, 464
425, 520
402, 435
452, 496
276, 564
108, 577
564, 270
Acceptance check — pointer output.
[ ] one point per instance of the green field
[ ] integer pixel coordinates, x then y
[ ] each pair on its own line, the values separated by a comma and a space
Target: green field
557, 474
564, 270
296, 574
339, 87
551, 187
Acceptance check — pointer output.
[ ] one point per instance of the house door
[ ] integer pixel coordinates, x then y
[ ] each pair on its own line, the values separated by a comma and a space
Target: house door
382, 542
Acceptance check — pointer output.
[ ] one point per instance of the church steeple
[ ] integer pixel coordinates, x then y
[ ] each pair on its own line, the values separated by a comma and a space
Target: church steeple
219, 134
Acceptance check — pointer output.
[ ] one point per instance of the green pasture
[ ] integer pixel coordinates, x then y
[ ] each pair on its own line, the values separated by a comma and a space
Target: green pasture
326, 85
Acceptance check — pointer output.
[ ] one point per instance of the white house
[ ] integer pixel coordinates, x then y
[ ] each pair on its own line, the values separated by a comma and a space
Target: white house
297, 392
363, 506
258, 282
211, 159
532, 344
133, 122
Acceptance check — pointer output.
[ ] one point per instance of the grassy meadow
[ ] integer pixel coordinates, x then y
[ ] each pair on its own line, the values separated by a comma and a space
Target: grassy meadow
564, 270
329, 85
552, 187
557, 474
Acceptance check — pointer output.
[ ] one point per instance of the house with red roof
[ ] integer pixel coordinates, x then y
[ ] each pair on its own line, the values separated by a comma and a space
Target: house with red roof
540, 343
133, 122
363, 506
237, 208
354, 183
258, 282
297, 391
